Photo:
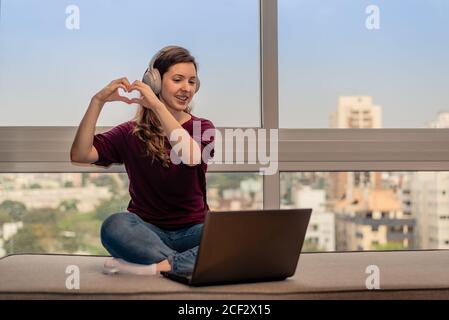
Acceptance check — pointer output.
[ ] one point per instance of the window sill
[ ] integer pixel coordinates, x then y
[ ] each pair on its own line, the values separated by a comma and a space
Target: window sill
330, 275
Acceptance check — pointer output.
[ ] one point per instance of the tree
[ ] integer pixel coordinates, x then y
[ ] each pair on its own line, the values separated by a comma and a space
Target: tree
42, 215
113, 205
68, 184
69, 205
389, 246
15, 209
24, 241
224, 181
311, 245
4, 217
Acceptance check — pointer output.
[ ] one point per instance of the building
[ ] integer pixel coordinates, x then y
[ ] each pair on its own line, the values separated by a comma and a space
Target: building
370, 209
88, 197
430, 205
430, 201
320, 234
354, 112
373, 220
442, 120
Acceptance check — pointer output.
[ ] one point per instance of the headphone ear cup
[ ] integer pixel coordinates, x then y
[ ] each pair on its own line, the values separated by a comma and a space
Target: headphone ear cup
153, 79
156, 82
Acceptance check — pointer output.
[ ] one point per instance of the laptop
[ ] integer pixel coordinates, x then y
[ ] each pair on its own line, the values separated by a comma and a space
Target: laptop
247, 246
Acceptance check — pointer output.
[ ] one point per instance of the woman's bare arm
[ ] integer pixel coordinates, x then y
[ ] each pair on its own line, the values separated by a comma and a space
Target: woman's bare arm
82, 148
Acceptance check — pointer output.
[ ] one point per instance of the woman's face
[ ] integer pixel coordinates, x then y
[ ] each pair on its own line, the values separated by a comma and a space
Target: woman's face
178, 86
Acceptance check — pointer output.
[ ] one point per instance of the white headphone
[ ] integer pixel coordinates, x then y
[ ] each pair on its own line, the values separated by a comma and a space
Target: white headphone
152, 76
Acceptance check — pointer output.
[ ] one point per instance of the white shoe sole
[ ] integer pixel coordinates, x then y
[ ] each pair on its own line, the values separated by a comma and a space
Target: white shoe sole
109, 267
110, 271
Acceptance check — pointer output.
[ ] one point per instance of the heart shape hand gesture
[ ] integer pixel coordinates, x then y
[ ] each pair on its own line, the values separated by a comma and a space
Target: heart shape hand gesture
128, 96
147, 98
121, 90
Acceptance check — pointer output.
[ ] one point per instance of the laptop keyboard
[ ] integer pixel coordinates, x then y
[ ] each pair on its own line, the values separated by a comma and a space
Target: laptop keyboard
178, 274
183, 274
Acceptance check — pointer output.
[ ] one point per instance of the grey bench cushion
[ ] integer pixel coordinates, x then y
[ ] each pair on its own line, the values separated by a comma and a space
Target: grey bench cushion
403, 275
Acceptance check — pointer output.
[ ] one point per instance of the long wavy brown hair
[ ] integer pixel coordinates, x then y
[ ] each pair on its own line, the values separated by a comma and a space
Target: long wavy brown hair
148, 127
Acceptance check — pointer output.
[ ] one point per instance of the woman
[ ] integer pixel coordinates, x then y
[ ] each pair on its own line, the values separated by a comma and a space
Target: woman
162, 227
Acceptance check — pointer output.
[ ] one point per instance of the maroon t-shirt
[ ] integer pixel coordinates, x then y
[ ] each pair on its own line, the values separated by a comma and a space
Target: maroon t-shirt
169, 198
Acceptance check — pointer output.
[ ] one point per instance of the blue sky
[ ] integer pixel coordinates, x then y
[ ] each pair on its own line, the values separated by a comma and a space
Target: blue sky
60, 69
49, 73
326, 51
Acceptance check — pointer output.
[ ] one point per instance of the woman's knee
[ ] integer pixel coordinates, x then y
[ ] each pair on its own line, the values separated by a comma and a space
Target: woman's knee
114, 225
122, 237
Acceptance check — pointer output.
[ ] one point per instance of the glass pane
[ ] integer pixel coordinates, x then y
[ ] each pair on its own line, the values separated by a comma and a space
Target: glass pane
355, 211
58, 213
234, 191
363, 64
63, 212
50, 68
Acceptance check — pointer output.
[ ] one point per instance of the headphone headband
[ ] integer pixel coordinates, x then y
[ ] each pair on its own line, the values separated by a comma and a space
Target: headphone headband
157, 55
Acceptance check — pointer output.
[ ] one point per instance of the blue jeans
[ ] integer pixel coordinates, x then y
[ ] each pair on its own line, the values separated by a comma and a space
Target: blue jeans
126, 236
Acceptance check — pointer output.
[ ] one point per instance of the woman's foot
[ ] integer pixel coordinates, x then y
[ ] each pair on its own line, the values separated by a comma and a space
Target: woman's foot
114, 265
163, 266
110, 266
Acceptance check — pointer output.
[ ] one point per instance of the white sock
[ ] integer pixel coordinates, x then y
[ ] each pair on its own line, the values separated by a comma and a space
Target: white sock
114, 265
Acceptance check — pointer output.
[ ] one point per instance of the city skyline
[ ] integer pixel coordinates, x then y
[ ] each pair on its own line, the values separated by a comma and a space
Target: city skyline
244, 192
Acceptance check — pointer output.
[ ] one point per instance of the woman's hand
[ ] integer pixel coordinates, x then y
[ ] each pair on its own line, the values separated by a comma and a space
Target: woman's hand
110, 92
148, 98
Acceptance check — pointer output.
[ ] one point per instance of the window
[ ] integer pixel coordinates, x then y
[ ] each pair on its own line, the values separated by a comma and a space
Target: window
63, 212
310, 81
58, 213
332, 197
36, 44
332, 66
396, 229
